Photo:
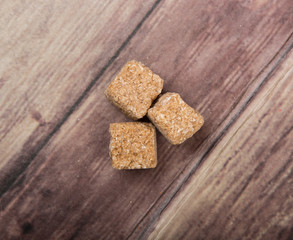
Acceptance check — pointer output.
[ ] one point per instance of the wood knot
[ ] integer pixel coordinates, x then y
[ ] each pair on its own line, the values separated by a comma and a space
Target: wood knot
27, 227
38, 117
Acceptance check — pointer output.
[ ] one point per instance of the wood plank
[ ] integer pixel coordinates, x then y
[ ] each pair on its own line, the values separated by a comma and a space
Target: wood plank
51, 51
244, 188
70, 190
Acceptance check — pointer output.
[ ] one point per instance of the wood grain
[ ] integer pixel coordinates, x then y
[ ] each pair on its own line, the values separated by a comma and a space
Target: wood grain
51, 52
244, 188
218, 51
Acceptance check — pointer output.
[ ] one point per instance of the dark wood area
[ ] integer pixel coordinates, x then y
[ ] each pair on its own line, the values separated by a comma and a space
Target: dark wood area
231, 60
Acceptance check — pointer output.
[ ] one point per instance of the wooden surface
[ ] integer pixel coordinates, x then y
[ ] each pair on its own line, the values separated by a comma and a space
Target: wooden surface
245, 186
231, 60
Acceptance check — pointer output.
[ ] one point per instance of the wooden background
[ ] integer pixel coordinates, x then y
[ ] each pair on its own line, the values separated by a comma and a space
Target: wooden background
232, 60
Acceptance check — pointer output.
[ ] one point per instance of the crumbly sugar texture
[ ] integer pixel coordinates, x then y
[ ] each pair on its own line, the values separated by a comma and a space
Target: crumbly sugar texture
134, 89
175, 119
133, 145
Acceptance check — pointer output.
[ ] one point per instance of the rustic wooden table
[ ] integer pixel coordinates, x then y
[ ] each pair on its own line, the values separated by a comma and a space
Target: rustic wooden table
231, 60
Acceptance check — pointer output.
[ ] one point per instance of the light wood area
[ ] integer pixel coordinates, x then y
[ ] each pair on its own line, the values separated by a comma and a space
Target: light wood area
51, 53
231, 60
244, 188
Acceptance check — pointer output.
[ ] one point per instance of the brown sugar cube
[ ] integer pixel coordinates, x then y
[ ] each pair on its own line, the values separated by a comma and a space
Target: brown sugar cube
176, 120
133, 145
134, 89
